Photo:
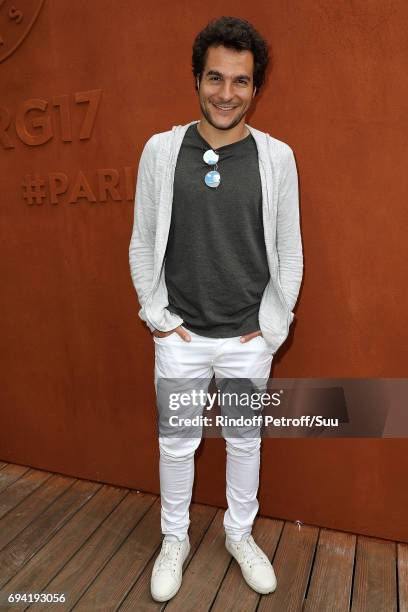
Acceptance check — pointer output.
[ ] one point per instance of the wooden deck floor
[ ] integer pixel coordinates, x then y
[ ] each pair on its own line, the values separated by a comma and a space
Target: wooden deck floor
96, 544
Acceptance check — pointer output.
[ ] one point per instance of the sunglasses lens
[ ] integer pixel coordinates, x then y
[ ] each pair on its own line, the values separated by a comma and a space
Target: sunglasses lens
212, 178
211, 157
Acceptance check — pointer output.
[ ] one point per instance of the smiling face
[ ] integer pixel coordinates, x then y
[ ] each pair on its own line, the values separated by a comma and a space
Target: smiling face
226, 87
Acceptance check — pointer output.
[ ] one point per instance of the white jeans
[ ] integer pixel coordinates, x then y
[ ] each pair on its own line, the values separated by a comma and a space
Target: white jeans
201, 358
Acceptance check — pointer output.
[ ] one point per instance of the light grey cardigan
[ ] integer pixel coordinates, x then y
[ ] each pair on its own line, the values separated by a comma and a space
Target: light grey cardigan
152, 217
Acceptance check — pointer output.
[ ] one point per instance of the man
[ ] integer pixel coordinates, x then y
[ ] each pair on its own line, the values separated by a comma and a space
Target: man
216, 260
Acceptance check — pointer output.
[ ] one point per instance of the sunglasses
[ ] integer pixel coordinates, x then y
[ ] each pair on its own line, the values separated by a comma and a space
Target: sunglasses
213, 177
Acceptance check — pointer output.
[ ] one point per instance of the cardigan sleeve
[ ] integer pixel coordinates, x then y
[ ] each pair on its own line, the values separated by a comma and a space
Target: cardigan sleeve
288, 234
141, 248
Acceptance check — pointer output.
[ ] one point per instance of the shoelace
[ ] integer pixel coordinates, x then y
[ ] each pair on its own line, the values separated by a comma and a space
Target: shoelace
168, 555
252, 553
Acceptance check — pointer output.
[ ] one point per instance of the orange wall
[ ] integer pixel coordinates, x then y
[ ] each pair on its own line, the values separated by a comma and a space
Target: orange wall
100, 77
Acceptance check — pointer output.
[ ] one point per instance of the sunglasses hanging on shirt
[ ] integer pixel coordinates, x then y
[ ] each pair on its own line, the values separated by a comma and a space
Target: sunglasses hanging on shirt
213, 177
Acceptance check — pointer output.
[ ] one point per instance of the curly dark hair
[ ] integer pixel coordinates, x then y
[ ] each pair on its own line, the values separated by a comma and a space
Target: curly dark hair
233, 33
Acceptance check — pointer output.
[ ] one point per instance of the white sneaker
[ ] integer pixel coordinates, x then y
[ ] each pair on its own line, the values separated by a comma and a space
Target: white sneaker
256, 568
167, 571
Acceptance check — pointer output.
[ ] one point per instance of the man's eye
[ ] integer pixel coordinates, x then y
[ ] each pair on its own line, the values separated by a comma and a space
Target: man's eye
214, 78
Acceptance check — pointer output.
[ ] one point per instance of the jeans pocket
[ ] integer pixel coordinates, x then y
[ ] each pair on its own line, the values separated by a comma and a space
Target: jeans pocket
160, 339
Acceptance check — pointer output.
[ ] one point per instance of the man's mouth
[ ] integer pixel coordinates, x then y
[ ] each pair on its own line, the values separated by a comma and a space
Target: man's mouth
224, 108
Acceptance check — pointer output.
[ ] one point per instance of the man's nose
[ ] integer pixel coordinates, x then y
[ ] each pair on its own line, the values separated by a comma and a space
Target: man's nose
226, 92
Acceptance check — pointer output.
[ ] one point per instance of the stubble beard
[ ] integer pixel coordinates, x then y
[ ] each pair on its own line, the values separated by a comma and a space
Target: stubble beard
235, 121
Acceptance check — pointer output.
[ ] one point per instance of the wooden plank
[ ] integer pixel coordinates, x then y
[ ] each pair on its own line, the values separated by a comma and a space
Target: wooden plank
292, 564
10, 473
20, 550
32, 507
205, 571
3, 464
332, 578
234, 593
375, 577
78, 574
20, 489
402, 554
59, 550
139, 597
116, 579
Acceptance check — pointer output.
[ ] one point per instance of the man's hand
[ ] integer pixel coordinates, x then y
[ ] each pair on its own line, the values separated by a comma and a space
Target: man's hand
178, 330
248, 337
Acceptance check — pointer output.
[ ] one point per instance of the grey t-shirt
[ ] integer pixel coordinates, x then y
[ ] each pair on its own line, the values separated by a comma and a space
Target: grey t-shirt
215, 262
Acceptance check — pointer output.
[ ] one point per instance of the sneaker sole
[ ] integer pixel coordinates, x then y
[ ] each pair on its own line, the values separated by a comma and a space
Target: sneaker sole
257, 589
